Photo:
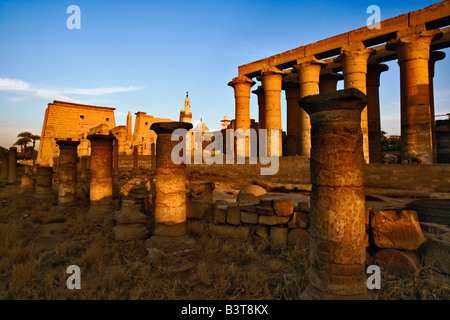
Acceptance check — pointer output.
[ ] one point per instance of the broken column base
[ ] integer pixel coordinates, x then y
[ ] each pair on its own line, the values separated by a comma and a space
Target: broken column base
159, 246
98, 213
312, 293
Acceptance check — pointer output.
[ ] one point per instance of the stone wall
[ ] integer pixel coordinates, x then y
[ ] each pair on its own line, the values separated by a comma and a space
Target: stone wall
295, 170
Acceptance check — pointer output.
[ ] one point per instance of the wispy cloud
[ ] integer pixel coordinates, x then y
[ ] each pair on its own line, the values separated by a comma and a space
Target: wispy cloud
24, 91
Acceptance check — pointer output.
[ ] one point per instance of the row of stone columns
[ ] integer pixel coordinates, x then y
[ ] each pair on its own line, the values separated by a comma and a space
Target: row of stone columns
9, 166
360, 72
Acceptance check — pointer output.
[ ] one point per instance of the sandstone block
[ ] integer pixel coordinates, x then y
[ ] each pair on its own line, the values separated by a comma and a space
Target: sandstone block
303, 220
437, 254
298, 238
130, 231
278, 237
220, 214
195, 226
262, 232
250, 193
266, 211
196, 208
397, 261
293, 221
233, 215
272, 220
249, 217
266, 202
302, 206
202, 186
130, 216
396, 229
249, 207
283, 207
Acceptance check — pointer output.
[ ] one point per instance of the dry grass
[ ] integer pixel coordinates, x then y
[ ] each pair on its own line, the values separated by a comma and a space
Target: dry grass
38, 244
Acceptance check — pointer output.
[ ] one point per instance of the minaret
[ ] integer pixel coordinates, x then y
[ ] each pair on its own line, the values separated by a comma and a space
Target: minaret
129, 124
225, 122
185, 114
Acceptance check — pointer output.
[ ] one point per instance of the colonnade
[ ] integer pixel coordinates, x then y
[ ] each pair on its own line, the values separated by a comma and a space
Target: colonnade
358, 67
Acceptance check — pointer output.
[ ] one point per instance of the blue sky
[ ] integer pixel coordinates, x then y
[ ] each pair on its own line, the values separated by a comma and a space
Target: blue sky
144, 55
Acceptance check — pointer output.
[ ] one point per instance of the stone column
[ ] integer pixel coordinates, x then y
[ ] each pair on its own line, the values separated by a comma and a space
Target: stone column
373, 111
153, 155
413, 52
44, 183
170, 185
101, 184
116, 156
27, 183
271, 81
354, 68
328, 82
135, 158
83, 166
434, 56
308, 77
68, 159
293, 115
261, 107
242, 86
337, 217
5, 167
12, 163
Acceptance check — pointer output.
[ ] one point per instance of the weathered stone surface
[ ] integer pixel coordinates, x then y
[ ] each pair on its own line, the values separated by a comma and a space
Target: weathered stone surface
262, 232
249, 207
283, 207
202, 186
293, 221
130, 231
220, 214
302, 206
250, 193
337, 230
130, 216
272, 220
233, 215
266, 202
298, 238
397, 261
278, 237
196, 208
196, 226
266, 211
303, 220
396, 229
249, 217
109, 222
141, 189
437, 254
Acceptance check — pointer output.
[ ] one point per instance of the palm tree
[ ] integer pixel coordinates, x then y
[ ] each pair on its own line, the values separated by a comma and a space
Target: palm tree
24, 140
35, 138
